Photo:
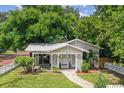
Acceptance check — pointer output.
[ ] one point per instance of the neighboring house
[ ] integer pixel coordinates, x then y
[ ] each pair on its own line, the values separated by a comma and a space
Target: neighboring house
67, 55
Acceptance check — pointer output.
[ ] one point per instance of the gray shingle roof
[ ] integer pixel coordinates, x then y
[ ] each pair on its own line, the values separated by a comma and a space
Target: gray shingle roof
50, 47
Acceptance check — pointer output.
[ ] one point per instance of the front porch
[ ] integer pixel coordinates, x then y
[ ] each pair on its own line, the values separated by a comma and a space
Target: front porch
63, 61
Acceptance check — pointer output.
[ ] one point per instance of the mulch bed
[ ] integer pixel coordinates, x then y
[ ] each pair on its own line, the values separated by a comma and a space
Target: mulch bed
90, 71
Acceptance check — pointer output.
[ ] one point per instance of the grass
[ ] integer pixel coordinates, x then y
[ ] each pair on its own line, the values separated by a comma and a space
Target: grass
17, 79
110, 76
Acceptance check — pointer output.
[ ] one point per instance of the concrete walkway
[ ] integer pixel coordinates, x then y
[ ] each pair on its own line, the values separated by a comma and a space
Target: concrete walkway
71, 75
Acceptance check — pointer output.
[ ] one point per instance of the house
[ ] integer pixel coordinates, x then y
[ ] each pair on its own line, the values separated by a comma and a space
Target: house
67, 55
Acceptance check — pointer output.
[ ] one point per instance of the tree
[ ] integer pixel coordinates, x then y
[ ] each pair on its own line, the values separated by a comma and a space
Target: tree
46, 24
87, 29
25, 62
3, 16
112, 35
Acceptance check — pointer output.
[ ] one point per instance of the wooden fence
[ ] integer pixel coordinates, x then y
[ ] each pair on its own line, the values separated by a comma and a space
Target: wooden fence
7, 68
102, 61
115, 68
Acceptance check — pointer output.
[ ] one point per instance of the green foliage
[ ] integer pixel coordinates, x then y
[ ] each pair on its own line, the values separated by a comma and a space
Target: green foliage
24, 61
55, 69
85, 66
92, 56
101, 82
118, 64
3, 16
115, 63
121, 64
112, 22
46, 24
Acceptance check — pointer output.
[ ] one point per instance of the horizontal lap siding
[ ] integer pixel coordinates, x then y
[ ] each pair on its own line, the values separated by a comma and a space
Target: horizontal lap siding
84, 46
67, 50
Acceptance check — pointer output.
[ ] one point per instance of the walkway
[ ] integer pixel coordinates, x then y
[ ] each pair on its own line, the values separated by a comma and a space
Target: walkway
71, 75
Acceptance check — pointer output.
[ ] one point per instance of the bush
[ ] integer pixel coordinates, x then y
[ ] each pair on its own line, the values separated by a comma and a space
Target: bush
115, 63
85, 66
121, 64
118, 64
101, 82
24, 61
55, 69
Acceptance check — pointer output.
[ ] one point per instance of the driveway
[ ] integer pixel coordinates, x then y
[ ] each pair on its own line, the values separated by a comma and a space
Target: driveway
72, 76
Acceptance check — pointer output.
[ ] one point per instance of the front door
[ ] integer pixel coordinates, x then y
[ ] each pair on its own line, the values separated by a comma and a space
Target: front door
64, 63
44, 61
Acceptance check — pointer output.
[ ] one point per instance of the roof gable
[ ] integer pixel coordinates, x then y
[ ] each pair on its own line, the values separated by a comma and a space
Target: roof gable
68, 49
84, 43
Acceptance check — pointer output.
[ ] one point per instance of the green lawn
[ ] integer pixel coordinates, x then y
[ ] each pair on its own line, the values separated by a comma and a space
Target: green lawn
111, 77
16, 79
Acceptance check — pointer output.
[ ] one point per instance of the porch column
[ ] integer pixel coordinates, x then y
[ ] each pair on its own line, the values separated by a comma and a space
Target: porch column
57, 60
34, 60
42, 60
37, 59
98, 63
81, 60
76, 63
51, 60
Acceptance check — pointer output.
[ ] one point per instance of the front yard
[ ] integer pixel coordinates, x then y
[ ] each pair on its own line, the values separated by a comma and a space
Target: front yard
111, 76
17, 79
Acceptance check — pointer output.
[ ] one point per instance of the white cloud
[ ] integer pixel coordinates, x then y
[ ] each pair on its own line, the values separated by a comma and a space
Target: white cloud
83, 14
94, 10
19, 7
84, 6
87, 11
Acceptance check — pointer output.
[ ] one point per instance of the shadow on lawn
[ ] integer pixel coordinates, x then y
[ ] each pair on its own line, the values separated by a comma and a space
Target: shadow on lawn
119, 76
11, 83
8, 72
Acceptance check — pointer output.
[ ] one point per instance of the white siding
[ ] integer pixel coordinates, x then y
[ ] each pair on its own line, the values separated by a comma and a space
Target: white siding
84, 46
67, 50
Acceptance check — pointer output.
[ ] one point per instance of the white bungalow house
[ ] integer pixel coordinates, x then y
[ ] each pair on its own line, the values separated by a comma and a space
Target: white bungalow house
67, 55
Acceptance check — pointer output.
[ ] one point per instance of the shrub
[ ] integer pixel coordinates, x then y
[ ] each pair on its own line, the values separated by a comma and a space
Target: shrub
121, 64
24, 61
101, 82
115, 63
85, 66
118, 64
55, 69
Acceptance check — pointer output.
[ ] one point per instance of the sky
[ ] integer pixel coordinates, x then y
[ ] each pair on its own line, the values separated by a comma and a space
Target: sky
84, 10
